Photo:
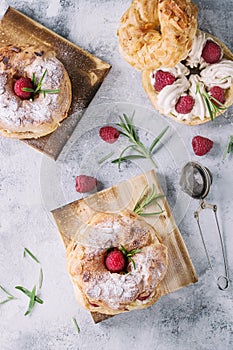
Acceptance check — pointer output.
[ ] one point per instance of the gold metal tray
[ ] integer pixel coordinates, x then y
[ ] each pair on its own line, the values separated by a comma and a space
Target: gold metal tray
86, 72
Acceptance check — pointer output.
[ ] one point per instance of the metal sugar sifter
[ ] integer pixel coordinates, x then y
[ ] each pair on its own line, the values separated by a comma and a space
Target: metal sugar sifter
196, 180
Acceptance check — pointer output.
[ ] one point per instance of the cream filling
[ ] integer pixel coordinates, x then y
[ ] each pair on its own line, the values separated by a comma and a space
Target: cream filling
194, 57
218, 74
168, 97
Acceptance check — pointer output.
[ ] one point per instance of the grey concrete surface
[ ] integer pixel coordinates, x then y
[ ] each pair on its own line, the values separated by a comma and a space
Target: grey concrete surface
198, 317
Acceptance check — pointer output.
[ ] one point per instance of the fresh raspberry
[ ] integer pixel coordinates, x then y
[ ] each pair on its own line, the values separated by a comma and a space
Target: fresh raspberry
109, 134
163, 79
20, 84
219, 94
211, 52
201, 145
185, 104
85, 183
115, 261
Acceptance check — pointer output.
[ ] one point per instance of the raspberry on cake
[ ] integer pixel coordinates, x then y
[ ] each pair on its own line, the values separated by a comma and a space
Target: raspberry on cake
185, 104
202, 87
115, 261
20, 84
163, 79
212, 52
217, 93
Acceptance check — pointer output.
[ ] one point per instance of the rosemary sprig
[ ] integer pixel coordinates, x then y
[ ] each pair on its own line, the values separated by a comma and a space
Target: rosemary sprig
128, 130
129, 254
229, 148
9, 296
27, 251
147, 197
76, 324
212, 104
37, 88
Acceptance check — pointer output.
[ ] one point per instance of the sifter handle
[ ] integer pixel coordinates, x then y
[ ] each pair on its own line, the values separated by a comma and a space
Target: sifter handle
222, 281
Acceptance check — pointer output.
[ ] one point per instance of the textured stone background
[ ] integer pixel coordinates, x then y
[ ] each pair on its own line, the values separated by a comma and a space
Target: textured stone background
196, 317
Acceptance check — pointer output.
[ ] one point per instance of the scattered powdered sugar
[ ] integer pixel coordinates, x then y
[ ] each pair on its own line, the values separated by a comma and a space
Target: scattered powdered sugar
53, 8
17, 112
3, 7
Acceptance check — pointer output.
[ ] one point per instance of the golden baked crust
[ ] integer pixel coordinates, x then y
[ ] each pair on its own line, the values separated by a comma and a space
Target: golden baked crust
154, 33
153, 95
24, 119
99, 290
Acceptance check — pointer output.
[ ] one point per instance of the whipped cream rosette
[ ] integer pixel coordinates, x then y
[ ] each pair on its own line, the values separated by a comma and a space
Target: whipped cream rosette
197, 89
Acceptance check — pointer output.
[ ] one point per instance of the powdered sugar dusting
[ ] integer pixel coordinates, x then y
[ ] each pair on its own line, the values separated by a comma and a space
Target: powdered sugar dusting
117, 290
15, 112
53, 8
114, 230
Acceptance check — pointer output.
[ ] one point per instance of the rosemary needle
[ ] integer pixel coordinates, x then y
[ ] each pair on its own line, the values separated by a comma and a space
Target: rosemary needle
41, 278
37, 88
32, 302
213, 105
76, 324
130, 254
9, 296
102, 160
28, 294
229, 147
27, 251
6, 300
